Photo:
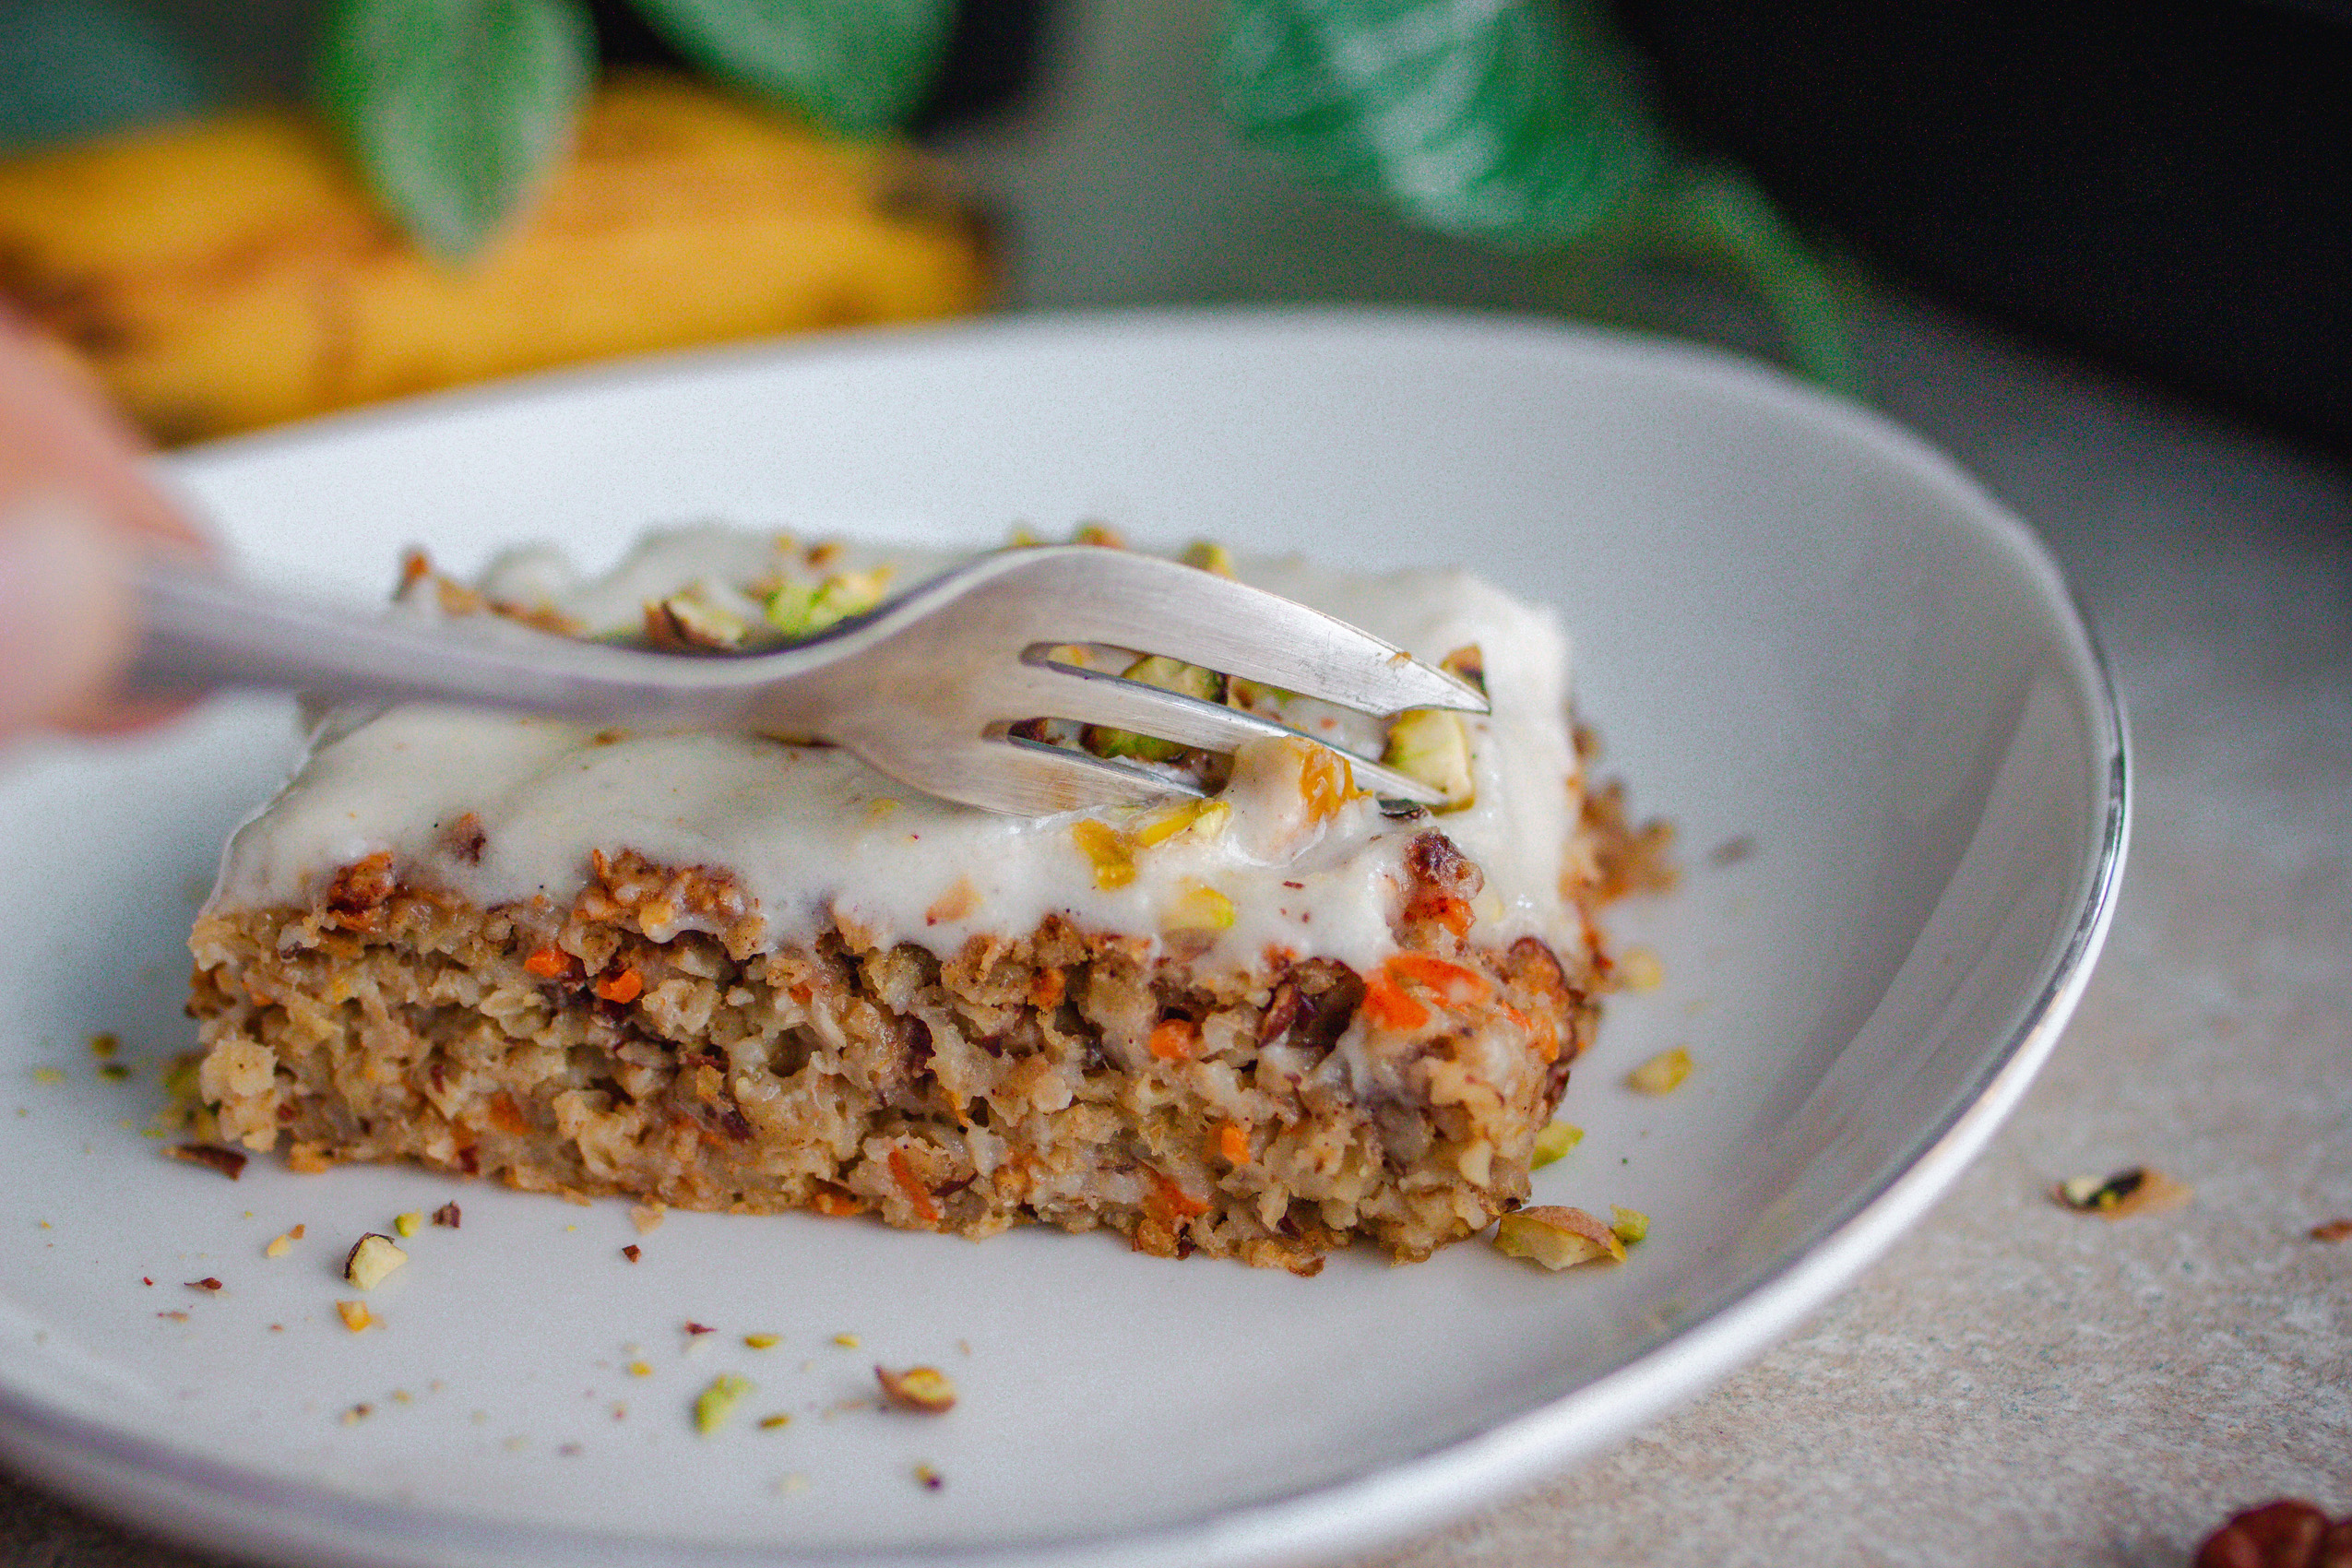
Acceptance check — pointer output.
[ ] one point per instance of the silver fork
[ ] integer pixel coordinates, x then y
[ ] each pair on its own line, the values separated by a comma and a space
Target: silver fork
926, 688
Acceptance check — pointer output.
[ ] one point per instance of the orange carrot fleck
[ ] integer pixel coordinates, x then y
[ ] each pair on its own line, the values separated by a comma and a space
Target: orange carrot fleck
1450, 981
835, 1202
627, 986
505, 1115
1175, 1040
1388, 1006
918, 1195
547, 963
1168, 1201
1233, 1142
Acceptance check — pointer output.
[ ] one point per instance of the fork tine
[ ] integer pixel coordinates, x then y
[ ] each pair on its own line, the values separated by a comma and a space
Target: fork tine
1046, 689
1036, 777
1085, 594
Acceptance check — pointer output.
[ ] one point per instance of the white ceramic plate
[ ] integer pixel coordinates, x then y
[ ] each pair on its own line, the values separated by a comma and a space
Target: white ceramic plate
1798, 631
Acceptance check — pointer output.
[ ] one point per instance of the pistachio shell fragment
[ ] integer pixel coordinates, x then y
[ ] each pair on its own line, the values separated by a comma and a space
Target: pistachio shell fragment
1431, 745
1557, 1237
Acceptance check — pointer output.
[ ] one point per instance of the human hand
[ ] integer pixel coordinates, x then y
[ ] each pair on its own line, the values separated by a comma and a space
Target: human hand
76, 510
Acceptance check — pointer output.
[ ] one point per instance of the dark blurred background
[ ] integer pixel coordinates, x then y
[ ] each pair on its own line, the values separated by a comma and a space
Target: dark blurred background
2165, 186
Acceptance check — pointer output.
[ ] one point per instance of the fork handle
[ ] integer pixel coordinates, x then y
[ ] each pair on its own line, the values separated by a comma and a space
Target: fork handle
202, 632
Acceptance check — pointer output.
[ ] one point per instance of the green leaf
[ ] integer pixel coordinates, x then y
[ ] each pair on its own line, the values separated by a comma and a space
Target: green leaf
854, 66
1507, 121
456, 110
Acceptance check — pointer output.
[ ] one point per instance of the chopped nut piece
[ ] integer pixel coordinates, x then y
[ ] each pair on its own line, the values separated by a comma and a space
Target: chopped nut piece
639, 1368
174, 1316
771, 1424
1469, 662
1209, 556
799, 610
647, 1217
279, 1246
408, 1224
448, 1213
1111, 852
1199, 907
104, 1045
1629, 1225
228, 1161
208, 1285
763, 1341
1555, 1140
696, 1329
695, 617
631, 1251
371, 1258
1640, 969
926, 1389
2140, 1190
48, 1076
1168, 675
114, 1073
848, 1341
357, 1414
355, 1315
1432, 746
932, 1479
716, 1403
1102, 534
1557, 1238
1662, 1073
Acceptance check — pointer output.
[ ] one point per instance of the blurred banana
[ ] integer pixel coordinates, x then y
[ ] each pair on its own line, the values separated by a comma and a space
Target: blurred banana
235, 274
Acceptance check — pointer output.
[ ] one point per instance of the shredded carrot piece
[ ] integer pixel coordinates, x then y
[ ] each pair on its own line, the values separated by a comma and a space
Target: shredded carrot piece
1454, 914
627, 986
505, 1115
918, 1195
1047, 990
547, 963
1168, 1201
1233, 1142
1387, 1006
1451, 981
1175, 1040
835, 1202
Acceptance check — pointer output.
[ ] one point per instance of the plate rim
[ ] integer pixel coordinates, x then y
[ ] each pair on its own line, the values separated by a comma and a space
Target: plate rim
197, 1498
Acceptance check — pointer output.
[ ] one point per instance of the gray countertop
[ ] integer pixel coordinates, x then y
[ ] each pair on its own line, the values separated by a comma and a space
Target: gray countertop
2012, 1384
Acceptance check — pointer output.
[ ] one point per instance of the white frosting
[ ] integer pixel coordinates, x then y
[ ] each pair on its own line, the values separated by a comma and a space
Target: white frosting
808, 831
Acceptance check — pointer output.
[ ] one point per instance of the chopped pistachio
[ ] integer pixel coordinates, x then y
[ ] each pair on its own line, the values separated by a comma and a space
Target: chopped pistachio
802, 611
408, 1224
639, 1368
716, 1403
771, 1424
1168, 675
1640, 969
926, 1389
115, 1072
1164, 823
1209, 556
1557, 1238
355, 1315
371, 1258
848, 1341
1469, 662
281, 1245
1629, 1225
1102, 534
103, 1046
1199, 907
1555, 1140
763, 1341
1430, 746
1254, 696
2140, 1190
1110, 851
929, 1477
1662, 1073
48, 1076
695, 617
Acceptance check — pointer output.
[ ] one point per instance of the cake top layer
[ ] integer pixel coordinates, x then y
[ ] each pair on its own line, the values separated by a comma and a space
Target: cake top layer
815, 837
